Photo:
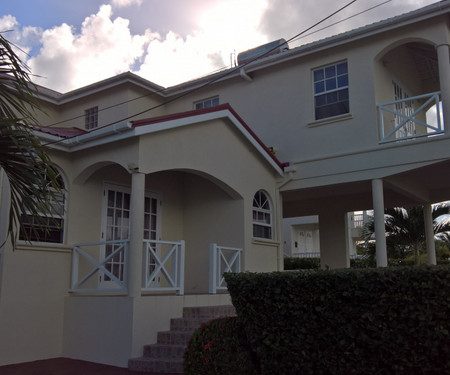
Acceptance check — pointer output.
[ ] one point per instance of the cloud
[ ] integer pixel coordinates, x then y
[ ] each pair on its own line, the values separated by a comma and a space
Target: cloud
295, 19
125, 3
102, 49
23, 40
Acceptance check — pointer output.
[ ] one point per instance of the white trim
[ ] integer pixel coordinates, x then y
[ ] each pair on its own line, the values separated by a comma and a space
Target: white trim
124, 131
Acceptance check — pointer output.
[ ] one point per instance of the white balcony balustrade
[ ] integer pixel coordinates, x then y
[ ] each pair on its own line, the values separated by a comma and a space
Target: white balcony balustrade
410, 118
99, 266
164, 266
222, 259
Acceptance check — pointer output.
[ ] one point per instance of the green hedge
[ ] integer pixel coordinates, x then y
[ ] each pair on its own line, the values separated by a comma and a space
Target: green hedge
219, 347
372, 321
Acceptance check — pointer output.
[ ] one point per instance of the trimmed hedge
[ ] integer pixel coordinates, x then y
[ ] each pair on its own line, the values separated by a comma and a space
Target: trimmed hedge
219, 347
372, 321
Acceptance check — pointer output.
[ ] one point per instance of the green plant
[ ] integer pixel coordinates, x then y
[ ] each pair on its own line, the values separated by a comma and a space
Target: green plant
353, 321
219, 347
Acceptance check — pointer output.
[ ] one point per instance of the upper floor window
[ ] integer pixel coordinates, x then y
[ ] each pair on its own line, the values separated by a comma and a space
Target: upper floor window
207, 103
91, 118
262, 216
47, 227
331, 90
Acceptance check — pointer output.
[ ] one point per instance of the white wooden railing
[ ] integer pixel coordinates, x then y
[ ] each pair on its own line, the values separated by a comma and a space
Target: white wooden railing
398, 118
164, 266
222, 259
92, 265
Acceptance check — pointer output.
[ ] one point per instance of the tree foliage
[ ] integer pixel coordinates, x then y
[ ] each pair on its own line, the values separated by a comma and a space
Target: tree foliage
405, 229
23, 159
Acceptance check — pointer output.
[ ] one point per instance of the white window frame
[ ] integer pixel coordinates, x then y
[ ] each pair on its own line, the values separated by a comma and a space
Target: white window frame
330, 84
262, 216
91, 118
61, 215
207, 103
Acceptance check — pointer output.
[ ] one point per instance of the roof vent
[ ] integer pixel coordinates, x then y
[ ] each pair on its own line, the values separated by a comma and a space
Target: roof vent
265, 50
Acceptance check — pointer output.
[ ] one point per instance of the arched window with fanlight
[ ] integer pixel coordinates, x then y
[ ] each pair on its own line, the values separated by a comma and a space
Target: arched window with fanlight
262, 215
47, 227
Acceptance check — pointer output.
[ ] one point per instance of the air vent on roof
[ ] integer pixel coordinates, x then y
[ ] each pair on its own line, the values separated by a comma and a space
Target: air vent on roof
265, 50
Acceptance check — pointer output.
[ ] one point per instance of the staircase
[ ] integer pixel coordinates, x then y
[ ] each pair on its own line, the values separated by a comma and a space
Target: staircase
166, 356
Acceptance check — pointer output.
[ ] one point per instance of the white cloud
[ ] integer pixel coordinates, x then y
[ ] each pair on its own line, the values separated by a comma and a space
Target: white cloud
125, 3
103, 48
222, 29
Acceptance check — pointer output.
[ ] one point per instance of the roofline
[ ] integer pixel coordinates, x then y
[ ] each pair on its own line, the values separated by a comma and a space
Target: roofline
127, 77
125, 130
430, 11
212, 113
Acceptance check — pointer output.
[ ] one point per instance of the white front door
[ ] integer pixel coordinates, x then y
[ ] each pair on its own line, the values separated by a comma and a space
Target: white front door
116, 226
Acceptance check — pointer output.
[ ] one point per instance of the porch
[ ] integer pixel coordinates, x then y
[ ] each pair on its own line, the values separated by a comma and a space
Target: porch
103, 267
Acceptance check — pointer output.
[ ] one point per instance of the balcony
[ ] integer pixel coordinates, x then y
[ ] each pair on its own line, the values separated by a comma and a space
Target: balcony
410, 118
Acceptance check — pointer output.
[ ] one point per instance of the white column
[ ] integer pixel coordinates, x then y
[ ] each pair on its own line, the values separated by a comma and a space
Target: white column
444, 79
380, 231
136, 234
429, 234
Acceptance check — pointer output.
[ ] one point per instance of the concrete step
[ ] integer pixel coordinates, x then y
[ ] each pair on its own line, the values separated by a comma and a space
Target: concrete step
187, 324
164, 351
174, 337
209, 312
156, 365
166, 356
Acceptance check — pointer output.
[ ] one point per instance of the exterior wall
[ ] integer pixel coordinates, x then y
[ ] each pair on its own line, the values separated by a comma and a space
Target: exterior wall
116, 329
33, 286
116, 99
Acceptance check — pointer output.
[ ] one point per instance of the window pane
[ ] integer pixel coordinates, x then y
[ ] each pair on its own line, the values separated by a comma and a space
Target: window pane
319, 75
319, 87
342, 81
331, 97
331, 84
343, 95
330, 71
321, 100
342, 68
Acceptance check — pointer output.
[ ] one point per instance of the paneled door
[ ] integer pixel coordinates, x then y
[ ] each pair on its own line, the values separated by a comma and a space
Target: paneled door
116, 226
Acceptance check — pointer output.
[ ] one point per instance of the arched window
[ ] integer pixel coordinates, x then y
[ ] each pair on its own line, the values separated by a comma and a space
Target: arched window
262, 216
49, 226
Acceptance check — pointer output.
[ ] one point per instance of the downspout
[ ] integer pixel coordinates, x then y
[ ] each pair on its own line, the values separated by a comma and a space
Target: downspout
244, 75
280, 255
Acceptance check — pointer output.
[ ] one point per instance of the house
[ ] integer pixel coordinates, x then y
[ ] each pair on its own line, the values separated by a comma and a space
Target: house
168, 188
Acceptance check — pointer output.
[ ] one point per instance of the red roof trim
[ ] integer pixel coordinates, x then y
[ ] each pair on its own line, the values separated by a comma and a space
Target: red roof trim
62, 132
180, 115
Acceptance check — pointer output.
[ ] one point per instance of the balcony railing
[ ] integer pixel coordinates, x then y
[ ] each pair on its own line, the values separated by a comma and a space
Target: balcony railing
93, 272
164, 266
222, 259
401, 120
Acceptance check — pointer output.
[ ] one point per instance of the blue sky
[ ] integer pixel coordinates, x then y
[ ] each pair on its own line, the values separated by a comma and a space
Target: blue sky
69, 44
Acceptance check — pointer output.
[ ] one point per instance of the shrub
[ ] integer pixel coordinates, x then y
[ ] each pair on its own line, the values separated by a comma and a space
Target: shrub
219, 347
364, 321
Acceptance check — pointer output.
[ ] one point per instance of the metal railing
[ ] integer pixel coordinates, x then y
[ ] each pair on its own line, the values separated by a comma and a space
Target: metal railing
158, 256
222, 259
86, 258
399, 120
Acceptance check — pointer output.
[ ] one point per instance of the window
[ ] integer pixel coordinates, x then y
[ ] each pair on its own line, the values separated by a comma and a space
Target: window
207, 103
262, 216
331, 90
47, 227
91, 118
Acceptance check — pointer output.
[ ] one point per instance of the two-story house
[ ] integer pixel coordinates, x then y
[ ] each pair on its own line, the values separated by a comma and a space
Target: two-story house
167, 188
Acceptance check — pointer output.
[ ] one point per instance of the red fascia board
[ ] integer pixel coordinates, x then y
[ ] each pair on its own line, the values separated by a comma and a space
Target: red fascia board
62, 132
197, 112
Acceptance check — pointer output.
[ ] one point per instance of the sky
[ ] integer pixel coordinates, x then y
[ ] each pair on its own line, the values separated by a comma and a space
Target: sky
68, 44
